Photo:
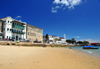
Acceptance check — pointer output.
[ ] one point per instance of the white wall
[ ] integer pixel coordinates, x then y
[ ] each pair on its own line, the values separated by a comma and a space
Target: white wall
25, 32
7, 25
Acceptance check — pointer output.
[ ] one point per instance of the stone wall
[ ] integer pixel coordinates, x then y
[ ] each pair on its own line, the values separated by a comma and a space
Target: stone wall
34, 33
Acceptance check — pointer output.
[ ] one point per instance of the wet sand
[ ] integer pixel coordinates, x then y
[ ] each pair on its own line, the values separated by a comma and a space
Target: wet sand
15, 57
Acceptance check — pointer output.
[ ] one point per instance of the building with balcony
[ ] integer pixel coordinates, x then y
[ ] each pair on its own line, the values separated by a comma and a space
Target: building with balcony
13, 29
16, 30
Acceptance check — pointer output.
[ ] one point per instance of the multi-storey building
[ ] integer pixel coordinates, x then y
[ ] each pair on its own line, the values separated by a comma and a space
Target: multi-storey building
13, 29
17, 30
34, 33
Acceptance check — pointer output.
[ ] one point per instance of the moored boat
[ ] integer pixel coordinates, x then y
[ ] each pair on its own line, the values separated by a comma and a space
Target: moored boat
89, 47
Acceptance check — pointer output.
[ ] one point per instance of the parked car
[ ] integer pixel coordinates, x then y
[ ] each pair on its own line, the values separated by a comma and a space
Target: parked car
27, 40
39, 42
35, 41
22, 40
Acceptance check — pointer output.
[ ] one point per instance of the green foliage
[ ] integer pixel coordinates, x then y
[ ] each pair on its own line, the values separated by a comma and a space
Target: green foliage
85, 42
47, 37
73, 40
56, 39
80, 42
68, 41
43, 36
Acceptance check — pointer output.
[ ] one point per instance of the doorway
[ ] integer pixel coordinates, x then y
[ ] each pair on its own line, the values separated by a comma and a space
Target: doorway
16, 37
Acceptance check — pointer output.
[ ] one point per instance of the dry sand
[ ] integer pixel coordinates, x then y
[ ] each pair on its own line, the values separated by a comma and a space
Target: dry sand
14, 57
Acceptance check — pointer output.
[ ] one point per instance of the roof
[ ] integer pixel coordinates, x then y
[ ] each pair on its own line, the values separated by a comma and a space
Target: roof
19, 21
5, 17
33, 26
95, 43
12, 19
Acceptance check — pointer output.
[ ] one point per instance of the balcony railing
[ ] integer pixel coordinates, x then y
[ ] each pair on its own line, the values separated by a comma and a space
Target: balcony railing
17, 26
18, 32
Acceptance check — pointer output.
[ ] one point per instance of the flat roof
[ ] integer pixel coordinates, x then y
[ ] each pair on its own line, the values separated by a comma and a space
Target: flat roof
34, 26
18, 21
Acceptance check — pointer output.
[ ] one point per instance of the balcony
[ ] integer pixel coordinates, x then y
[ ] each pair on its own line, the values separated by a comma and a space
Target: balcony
13, 31
17, 26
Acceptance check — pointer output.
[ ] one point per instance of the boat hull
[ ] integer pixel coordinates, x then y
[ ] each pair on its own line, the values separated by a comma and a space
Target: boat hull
90, 48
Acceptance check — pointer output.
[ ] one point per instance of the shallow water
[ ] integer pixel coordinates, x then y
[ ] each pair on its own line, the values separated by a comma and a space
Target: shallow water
91, 52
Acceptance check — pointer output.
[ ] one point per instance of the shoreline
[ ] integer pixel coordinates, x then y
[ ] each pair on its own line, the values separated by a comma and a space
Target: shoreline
89, 52
19, 57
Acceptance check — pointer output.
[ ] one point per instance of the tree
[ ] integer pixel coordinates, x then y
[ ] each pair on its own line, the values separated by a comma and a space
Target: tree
85, 42
73, 40
80, 42
68, 41
47, 37
56, 39
43, 37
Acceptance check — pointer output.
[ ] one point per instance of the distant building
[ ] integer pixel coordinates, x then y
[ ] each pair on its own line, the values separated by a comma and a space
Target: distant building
95, 44
57, 40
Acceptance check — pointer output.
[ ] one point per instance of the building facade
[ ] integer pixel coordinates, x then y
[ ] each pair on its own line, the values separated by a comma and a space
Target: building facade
17, 30
34, 33
13, 29
0, 29
57, 40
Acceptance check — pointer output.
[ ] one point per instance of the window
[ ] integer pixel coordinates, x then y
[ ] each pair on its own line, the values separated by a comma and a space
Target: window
10, 29
7, 36
7, 29
17, 30
8, 21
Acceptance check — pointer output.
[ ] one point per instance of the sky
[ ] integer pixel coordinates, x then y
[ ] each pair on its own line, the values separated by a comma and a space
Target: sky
79, 19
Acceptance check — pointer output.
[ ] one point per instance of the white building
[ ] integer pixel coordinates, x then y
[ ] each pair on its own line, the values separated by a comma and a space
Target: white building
57, 40
13, 29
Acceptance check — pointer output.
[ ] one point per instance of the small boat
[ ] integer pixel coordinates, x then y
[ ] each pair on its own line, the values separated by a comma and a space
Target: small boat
89, 47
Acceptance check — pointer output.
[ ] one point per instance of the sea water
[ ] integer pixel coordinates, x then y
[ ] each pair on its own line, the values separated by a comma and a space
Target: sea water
91, 52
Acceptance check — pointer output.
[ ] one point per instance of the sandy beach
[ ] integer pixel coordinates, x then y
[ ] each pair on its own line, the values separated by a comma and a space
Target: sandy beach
15, 57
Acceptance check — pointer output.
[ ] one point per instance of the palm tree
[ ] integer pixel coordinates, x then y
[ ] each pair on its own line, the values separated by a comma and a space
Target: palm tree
73, 40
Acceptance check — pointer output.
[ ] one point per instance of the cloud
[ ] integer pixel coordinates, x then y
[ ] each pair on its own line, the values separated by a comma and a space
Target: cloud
67, 3
57, 7
54, 10
20, 20
56, 1
76, 36
90, 40
18, 16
